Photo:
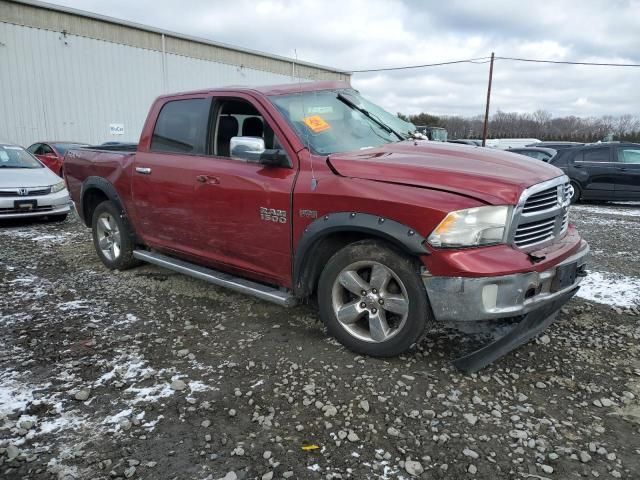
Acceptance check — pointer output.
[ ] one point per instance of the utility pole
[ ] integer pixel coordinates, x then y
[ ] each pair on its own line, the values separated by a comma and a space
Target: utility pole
486, 112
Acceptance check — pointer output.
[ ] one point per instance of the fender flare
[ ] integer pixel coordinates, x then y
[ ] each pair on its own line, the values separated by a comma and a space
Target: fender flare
105, 187
404, 237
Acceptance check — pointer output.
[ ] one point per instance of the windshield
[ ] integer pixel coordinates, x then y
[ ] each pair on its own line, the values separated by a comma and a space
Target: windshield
63, 147
17, 157
331, 121
438, 135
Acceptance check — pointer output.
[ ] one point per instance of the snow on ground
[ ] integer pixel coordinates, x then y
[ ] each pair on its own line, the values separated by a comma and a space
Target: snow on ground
609, 210
35, 234
611, 289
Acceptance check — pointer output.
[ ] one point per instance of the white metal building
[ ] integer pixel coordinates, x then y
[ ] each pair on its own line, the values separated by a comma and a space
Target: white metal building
69, 75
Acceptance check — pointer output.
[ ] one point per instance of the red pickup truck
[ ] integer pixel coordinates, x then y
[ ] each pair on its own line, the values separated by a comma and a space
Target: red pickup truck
310, 191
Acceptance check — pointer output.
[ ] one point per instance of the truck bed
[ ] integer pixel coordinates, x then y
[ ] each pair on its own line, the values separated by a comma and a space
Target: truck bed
113, 163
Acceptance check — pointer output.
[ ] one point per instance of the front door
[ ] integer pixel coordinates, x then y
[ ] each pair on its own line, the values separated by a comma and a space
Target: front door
628, 186
245, 213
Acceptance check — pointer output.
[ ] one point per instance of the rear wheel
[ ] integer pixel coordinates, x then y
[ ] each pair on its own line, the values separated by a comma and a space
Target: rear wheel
577, 192
112, 238
372, 300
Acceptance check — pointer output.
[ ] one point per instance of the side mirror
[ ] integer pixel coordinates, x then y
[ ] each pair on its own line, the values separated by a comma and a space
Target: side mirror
246, 148
252, 149
50, 156
274, 158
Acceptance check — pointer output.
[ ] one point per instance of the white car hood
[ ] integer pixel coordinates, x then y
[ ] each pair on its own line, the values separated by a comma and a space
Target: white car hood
27, 177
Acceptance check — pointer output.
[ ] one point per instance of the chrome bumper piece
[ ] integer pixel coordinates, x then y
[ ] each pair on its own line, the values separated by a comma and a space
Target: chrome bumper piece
468, 299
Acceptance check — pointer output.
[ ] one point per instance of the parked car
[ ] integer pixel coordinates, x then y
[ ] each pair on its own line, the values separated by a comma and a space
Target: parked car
602, 171
463, 141
28, 188
300, 190
556, 145
507, 143
539, 153
52, 154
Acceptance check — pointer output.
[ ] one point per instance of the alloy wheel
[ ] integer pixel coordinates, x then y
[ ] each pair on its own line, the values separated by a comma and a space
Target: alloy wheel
108, 236
370, 301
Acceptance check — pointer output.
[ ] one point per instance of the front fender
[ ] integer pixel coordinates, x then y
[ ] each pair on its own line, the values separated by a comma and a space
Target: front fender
402, 236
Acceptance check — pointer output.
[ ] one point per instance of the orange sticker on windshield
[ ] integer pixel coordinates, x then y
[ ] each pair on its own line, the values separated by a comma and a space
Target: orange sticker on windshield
316, 123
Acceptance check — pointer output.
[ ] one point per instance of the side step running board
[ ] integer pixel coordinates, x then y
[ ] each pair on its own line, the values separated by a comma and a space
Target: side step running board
221, 279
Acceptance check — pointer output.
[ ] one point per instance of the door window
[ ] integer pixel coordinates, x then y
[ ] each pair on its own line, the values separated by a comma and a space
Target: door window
629, 155
239, 118
182, 127
45, 150
596, 155
34, 148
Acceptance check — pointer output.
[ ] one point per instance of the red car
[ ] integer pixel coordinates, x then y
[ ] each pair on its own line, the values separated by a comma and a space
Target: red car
52, 154
308, 191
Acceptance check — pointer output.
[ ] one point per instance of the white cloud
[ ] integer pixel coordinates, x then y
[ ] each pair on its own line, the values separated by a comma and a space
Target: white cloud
379, 33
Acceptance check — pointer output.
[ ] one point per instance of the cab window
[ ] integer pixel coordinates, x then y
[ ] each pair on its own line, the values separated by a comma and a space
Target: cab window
181, 127
239, 118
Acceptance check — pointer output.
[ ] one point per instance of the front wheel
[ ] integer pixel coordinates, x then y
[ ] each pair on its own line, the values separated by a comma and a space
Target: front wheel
372, 300
112, 238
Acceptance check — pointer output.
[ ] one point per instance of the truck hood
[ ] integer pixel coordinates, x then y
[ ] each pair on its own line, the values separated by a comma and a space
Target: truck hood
491, 176
27, 177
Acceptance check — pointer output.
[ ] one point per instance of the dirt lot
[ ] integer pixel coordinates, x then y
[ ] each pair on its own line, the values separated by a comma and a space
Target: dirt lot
149, 374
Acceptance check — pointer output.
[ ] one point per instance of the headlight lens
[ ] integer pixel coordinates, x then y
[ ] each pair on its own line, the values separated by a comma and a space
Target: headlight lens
472, 227
58, 187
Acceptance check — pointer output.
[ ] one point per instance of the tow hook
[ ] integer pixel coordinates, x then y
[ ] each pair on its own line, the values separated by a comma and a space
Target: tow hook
536, 258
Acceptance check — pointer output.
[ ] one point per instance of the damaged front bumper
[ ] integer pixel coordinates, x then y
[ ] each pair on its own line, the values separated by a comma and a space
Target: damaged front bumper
534, 296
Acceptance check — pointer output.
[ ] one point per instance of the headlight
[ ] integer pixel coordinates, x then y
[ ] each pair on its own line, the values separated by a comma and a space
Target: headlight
472, 227
58, 187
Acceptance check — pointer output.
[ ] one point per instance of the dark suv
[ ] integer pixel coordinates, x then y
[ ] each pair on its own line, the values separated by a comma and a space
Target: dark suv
602, 171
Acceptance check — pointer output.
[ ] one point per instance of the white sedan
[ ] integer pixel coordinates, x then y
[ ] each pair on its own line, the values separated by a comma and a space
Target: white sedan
28, 188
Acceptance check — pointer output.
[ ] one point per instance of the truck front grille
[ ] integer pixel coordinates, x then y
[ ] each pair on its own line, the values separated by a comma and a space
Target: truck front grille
542, 214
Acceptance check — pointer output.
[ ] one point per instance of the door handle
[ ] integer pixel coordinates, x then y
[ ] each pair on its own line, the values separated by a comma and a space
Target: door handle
208, 179
622, 169
143, 170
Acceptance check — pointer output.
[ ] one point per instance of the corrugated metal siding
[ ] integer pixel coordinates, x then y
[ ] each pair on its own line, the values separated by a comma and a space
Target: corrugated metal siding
54, 87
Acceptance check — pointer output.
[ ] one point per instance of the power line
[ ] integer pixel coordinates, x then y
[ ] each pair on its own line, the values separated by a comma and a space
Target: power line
470, 60
569, 62
482, 60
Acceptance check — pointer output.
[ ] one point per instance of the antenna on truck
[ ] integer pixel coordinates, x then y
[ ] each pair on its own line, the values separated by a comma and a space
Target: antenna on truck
314, 180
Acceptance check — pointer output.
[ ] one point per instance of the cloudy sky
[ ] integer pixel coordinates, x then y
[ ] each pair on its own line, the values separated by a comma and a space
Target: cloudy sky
357, 34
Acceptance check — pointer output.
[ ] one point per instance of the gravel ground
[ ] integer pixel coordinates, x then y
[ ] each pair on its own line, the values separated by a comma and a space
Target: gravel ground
149, 374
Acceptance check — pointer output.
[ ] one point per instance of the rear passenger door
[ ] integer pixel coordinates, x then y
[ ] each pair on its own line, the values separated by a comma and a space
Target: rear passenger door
164, 177
628, 186
596, 170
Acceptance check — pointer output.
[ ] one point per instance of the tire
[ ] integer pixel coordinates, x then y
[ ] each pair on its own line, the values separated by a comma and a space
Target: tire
112, 238
368, 325
577, 192
58, 218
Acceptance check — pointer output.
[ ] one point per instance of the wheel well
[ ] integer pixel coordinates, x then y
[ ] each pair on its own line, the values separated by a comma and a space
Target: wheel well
91, 199
323, 249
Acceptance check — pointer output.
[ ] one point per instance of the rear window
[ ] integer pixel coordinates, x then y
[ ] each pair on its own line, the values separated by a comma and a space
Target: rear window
598, 155
182, 127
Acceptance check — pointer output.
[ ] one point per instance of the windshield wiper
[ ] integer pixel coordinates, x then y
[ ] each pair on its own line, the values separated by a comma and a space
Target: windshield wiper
344, 99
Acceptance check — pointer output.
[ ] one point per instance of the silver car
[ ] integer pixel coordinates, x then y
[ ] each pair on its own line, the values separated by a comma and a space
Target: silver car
28, 188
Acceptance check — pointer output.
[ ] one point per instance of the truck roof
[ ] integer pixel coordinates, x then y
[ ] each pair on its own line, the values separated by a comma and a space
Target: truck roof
283, 89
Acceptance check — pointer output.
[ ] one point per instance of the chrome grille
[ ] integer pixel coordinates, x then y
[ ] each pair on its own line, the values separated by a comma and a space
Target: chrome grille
541, 201
31, 192
542, 214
